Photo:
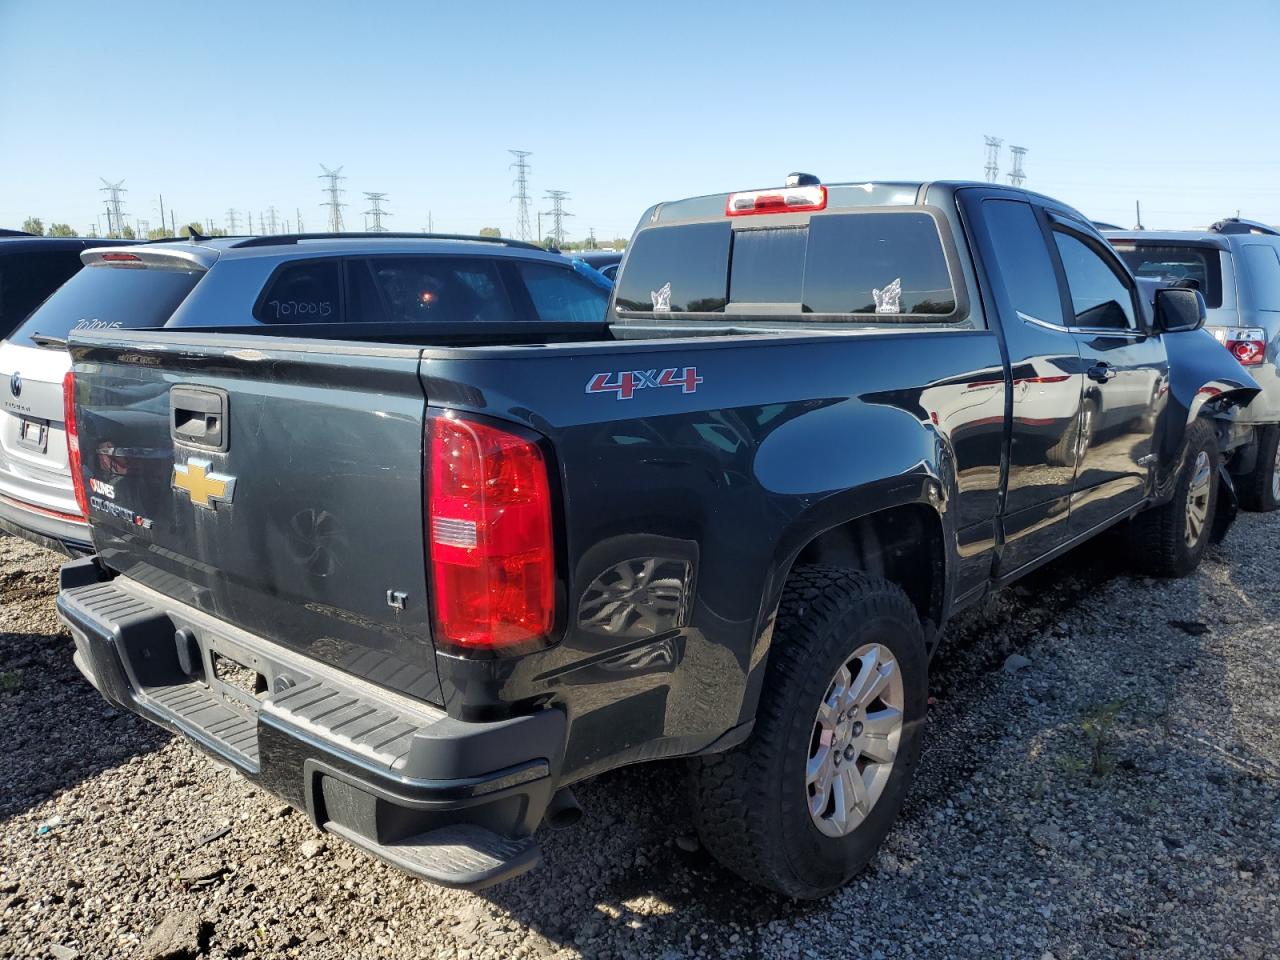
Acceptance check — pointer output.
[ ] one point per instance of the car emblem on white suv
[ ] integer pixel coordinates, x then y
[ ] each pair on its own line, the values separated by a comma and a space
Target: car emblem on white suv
15, 384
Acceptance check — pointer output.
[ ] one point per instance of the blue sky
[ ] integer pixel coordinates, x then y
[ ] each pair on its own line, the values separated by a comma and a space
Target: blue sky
235, 104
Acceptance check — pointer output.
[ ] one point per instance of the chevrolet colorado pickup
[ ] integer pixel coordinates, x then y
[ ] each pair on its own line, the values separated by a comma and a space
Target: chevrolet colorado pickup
420, 582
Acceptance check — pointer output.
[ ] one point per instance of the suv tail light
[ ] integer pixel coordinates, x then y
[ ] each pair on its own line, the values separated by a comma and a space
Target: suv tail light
782, 200
1247, 344
489, 513
73, 440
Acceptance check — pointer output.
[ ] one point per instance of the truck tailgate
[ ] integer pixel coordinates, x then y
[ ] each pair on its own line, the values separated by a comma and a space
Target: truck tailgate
275, 486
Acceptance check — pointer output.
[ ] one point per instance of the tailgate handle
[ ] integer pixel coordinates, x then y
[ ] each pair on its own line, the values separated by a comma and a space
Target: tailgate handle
198, 417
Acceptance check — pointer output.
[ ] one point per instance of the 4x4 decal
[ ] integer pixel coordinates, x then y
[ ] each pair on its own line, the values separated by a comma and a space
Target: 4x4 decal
629, 381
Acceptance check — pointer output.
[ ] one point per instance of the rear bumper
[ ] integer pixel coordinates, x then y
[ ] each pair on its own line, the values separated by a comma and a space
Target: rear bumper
43, 528
451, 802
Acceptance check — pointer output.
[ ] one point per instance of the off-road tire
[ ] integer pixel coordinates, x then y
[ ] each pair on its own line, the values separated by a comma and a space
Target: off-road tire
1157, 537
1257, 490
750, 804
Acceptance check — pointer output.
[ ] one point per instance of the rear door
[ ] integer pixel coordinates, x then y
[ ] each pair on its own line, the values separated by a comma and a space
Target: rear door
1126, 376
275, 485
1045, 380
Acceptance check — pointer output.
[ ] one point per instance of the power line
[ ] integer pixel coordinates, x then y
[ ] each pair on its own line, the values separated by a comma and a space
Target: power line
115, 206
522, 192
558, 213
333, 203
377, 212
993, 158
1017, 175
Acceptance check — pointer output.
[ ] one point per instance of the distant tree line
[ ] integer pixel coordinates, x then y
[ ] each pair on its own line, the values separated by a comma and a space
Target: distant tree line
35, 226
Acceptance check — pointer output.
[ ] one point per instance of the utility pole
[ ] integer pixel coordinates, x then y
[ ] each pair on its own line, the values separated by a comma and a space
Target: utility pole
521, 197
1137, 209
115, 205
591, 239
162, 211
334, 202
993, 158
173, 223
233, 222
557, 213
376, 212
272, 220
262, 226
1017, 175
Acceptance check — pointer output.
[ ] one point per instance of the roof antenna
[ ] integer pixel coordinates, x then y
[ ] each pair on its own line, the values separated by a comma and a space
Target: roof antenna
195, 234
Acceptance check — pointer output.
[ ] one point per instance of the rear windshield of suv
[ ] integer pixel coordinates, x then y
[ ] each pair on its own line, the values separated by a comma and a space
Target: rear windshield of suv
102, 298
874, 264
1176, 261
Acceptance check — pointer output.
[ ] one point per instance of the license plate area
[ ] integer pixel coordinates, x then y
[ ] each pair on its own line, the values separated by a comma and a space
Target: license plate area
33, 434
239, 677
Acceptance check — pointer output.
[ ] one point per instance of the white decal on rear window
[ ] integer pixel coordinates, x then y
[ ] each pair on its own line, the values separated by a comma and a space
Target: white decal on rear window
661, 298
889, 299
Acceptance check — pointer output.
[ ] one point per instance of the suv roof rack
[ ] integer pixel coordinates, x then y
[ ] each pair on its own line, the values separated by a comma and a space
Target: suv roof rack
1237, 225
281, 239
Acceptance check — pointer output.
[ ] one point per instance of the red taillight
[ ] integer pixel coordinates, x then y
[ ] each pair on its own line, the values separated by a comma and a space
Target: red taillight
489, 519
1247, 344
73, 440
121, 258
804, 199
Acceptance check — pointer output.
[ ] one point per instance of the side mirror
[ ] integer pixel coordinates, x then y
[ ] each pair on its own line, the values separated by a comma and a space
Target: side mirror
1179, 310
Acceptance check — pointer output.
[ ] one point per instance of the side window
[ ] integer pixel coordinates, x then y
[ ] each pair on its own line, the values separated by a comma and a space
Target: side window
558, 293
1264, 275
306, 291
1022, 260
1099, 298
441, 289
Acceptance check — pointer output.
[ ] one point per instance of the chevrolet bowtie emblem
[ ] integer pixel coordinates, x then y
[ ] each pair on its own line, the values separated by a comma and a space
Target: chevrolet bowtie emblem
204, 486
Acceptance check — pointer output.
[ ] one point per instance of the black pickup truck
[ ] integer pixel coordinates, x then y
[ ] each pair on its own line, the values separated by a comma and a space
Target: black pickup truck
420, 583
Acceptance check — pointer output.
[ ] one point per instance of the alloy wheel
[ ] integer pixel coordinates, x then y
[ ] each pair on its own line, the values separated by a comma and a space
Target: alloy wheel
855, 740
1198, 500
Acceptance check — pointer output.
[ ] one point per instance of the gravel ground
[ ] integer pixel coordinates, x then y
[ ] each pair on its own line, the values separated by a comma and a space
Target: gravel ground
1101, 778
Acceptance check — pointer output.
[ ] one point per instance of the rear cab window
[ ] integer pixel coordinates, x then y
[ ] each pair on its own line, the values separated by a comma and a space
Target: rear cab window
876, 264
1173, 262
104, 297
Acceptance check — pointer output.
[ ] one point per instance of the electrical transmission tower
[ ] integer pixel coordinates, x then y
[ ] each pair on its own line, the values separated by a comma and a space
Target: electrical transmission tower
993, 158
273, 222
557, 214
523, 230
333, 203
1017, 174
233, 222
377, 212
115, 207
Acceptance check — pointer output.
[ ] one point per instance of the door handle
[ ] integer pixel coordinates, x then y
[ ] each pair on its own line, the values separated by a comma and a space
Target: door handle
1101, 372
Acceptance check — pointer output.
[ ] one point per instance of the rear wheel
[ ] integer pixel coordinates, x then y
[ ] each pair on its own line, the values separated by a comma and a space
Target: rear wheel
803, 805
1169, 540
1260, 490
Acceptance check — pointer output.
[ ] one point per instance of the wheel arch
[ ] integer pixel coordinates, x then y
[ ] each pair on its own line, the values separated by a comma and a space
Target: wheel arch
889, 539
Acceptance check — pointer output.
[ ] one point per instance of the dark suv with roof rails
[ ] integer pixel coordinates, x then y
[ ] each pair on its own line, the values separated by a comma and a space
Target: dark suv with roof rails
271, 284
1235, 264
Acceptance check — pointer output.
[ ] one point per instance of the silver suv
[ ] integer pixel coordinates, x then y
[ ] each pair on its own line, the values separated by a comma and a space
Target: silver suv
1236, 265
310, 282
